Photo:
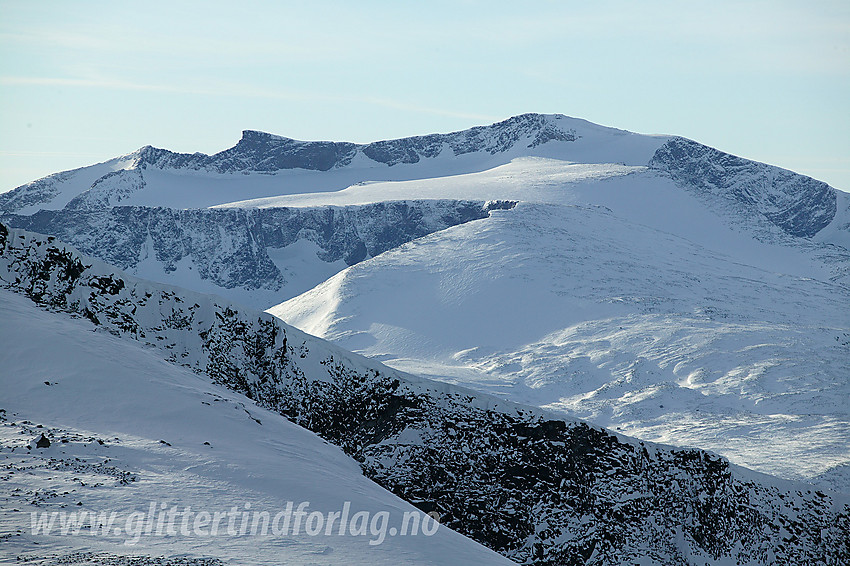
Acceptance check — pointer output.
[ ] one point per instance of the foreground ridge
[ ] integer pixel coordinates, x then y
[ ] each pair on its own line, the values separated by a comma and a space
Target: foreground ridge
535, 488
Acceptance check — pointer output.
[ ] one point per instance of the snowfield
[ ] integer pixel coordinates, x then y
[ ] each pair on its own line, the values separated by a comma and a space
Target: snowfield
575, 309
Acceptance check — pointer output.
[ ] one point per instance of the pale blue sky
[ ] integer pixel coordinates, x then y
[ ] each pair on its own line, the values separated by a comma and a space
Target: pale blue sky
82, 82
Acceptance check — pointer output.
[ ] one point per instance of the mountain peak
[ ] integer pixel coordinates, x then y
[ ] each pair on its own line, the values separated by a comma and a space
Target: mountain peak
258, 135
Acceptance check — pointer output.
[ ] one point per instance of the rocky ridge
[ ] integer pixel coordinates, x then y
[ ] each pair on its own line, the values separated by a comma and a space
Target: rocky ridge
263, 153
799, 205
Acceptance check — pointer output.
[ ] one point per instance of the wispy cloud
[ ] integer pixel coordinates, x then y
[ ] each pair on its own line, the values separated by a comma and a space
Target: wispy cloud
23, 153
86, 83
238, 91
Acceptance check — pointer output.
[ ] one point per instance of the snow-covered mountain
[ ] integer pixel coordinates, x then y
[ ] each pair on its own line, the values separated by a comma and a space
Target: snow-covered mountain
104, 209
265, 165
649, 284
574, 309
525, 482
700, 299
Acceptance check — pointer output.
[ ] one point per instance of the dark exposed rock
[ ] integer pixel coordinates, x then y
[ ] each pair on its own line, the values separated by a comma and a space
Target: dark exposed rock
230, 246
799, 205
42, 442
258, 151
32, 193
108, 190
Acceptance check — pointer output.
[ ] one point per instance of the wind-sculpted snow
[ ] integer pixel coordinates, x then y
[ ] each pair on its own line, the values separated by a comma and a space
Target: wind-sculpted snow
230, 247
537, 489
799, 205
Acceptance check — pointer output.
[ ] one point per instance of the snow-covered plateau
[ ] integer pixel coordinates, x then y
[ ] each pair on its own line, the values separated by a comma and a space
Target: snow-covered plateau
649, 285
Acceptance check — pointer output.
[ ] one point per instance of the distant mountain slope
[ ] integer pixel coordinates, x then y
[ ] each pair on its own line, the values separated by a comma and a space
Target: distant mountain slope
533, 487
760, 200
262, 152
265, 165
673, 324
799, 205
256, 257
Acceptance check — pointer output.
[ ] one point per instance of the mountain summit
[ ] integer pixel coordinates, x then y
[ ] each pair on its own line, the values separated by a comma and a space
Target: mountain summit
147, 176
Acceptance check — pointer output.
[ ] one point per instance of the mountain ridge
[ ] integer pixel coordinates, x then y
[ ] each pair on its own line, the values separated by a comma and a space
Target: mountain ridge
272, 152
799, 205
267, 154
254, 256
127, 179
127, 428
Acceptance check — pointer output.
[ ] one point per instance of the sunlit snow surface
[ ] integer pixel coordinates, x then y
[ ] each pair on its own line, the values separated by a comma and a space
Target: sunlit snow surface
105, 388
616, 296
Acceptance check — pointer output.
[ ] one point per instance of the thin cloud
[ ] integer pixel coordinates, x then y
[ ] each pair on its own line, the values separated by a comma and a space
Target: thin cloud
23, 153
238, 91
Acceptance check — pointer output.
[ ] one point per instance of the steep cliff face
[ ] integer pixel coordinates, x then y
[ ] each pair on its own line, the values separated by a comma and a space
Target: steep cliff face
230, 248
537, 489
799, 205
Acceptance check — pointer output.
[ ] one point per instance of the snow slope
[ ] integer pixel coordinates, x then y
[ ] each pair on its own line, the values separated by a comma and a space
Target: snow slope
534, 486
222, 451
675, 312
